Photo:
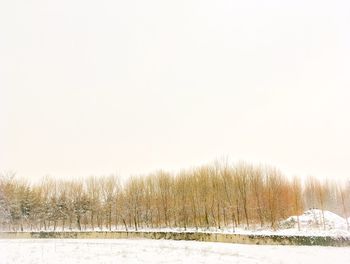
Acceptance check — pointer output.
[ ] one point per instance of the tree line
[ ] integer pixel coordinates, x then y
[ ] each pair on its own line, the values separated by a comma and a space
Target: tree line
213, 196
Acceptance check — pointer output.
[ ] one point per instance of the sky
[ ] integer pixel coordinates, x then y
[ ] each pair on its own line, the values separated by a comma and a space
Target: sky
129, 87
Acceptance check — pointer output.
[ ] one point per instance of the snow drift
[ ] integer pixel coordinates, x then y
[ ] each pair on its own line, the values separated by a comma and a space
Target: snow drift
315, 218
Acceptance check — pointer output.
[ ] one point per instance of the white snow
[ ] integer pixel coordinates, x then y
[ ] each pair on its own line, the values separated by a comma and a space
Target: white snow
18, 251
313, 219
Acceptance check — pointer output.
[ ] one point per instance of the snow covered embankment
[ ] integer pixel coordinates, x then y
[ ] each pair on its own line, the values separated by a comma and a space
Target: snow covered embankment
316, 228
258, 239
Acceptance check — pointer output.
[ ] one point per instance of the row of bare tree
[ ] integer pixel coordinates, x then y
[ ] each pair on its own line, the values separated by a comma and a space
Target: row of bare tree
218, 195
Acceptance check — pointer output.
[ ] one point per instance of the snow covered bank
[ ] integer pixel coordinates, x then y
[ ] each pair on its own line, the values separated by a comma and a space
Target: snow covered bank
259, 239
316, 228
161, 251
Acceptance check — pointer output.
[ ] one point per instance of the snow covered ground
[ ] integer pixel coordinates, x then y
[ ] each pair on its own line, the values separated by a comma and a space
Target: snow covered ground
27, 251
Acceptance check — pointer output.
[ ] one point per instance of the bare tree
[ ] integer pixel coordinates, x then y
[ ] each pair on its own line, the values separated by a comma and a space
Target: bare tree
297, 199
344, 192
109, 188
241, 179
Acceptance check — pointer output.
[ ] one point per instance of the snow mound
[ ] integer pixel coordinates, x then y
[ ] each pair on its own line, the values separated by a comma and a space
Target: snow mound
315, 218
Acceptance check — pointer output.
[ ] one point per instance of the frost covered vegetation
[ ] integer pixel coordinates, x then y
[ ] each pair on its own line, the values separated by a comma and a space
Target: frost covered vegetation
214, 196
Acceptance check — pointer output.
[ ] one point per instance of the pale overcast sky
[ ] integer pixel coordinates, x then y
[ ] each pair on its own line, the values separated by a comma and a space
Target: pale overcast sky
127, 87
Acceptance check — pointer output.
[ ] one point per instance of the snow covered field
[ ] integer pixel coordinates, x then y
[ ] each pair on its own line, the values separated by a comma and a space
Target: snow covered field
161, 251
